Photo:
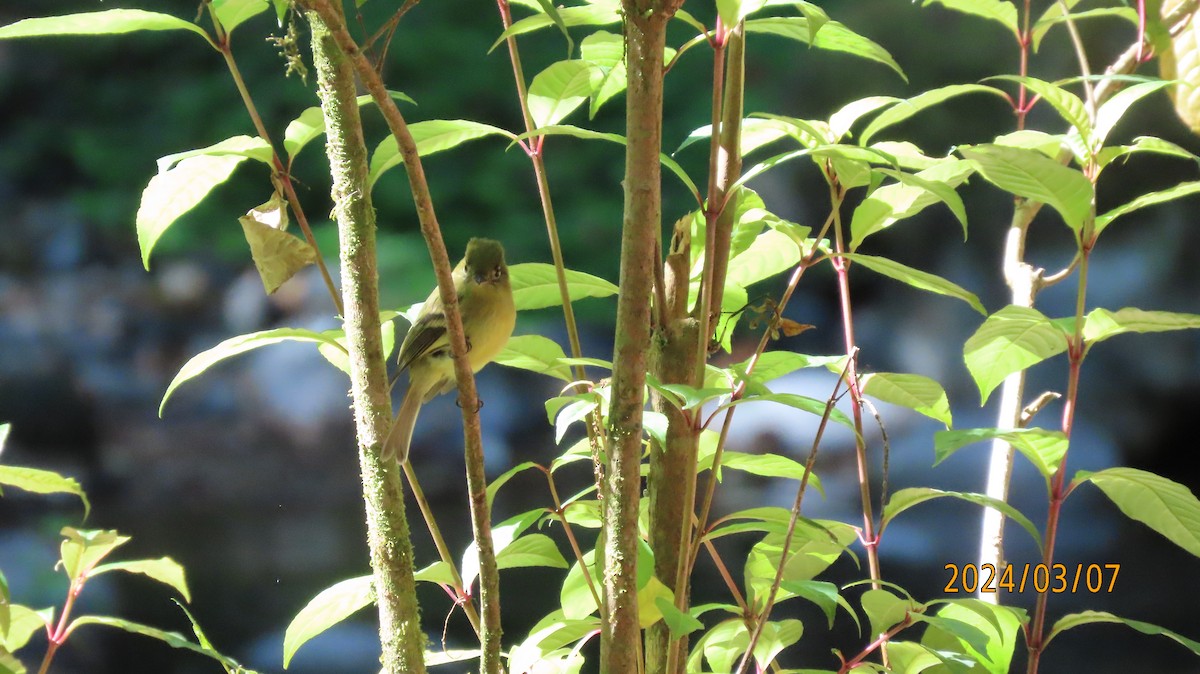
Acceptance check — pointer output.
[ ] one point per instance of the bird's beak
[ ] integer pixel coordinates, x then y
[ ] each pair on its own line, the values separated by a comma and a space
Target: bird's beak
479, 279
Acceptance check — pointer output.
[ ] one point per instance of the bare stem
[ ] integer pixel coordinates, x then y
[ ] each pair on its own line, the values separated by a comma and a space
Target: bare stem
281, 170
468, 398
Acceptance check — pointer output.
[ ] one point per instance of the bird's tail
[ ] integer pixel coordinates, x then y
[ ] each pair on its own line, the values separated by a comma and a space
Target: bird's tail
398, 439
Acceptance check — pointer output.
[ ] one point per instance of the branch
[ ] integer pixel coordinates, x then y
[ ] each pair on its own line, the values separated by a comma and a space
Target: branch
468, 398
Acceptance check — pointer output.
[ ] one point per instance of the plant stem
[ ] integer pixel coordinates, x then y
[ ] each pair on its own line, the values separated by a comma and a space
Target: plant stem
58, 636
762, 617
388, 537
468, 398
1058, 494
464, 594
842, 268
280, 169
645, 31
560, 513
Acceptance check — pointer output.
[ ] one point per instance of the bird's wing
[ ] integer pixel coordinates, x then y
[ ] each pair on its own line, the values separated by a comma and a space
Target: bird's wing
427, 334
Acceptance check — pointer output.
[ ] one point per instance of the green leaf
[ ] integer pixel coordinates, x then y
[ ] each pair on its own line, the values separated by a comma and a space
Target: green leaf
430, 136
815, 546
733, 11
311, 124
591, 14
921, 280
108, 22
531, 550
763, 465
904, 109
1000, 11
547, 636
996, 626
912, 658
1163, 505
1149, 199
1142, 144
832, 36
333, 605
559, 89
568, 130
40, 481
451, 655
22, 623
804, 403
1010, 340
535, 285
842, 120
1030, 139
1068, 105
439, 572
721, 646
300, 131
1114, 108
774, 364
505, 477
536, 354
935, 184
917, 393
164, 569
1100, 324
9, 664
1043, 448
82, 549
775, 637
576, 598
238, 345
678, 622
250, 147
1087, 617
504, 535
906, 498
823, 594
175, 192
1032, 175
885, 609
1054, 16
231, 13
173, 639
771, 253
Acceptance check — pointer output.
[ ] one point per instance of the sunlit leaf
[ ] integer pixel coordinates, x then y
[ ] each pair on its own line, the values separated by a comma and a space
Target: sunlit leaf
560, 88
1043, 448
41, 481
536, 354
997, 625
175, 192
1148, 199
910, 195
233, 346
107, 22
1088, 617
916, 278
832, 36
906, 498
535, 285
231, 13
917, 393
430, 136
164, 569
1010, 340
1000, 11
904, 109
1165, 506
1032, 175
173, 639
331, 606
83, 549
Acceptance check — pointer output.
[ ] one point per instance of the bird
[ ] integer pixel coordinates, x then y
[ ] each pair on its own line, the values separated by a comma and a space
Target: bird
485, 302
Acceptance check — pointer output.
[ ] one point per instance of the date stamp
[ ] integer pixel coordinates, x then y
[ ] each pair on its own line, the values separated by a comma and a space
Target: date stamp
1056, 579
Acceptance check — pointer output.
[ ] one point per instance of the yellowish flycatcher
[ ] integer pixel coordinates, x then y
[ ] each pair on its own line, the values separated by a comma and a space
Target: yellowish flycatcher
485, 302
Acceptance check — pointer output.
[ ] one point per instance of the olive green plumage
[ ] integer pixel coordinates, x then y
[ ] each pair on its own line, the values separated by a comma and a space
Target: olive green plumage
488, 315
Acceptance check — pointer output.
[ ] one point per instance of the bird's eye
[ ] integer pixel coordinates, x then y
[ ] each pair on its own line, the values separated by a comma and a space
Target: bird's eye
498, 273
